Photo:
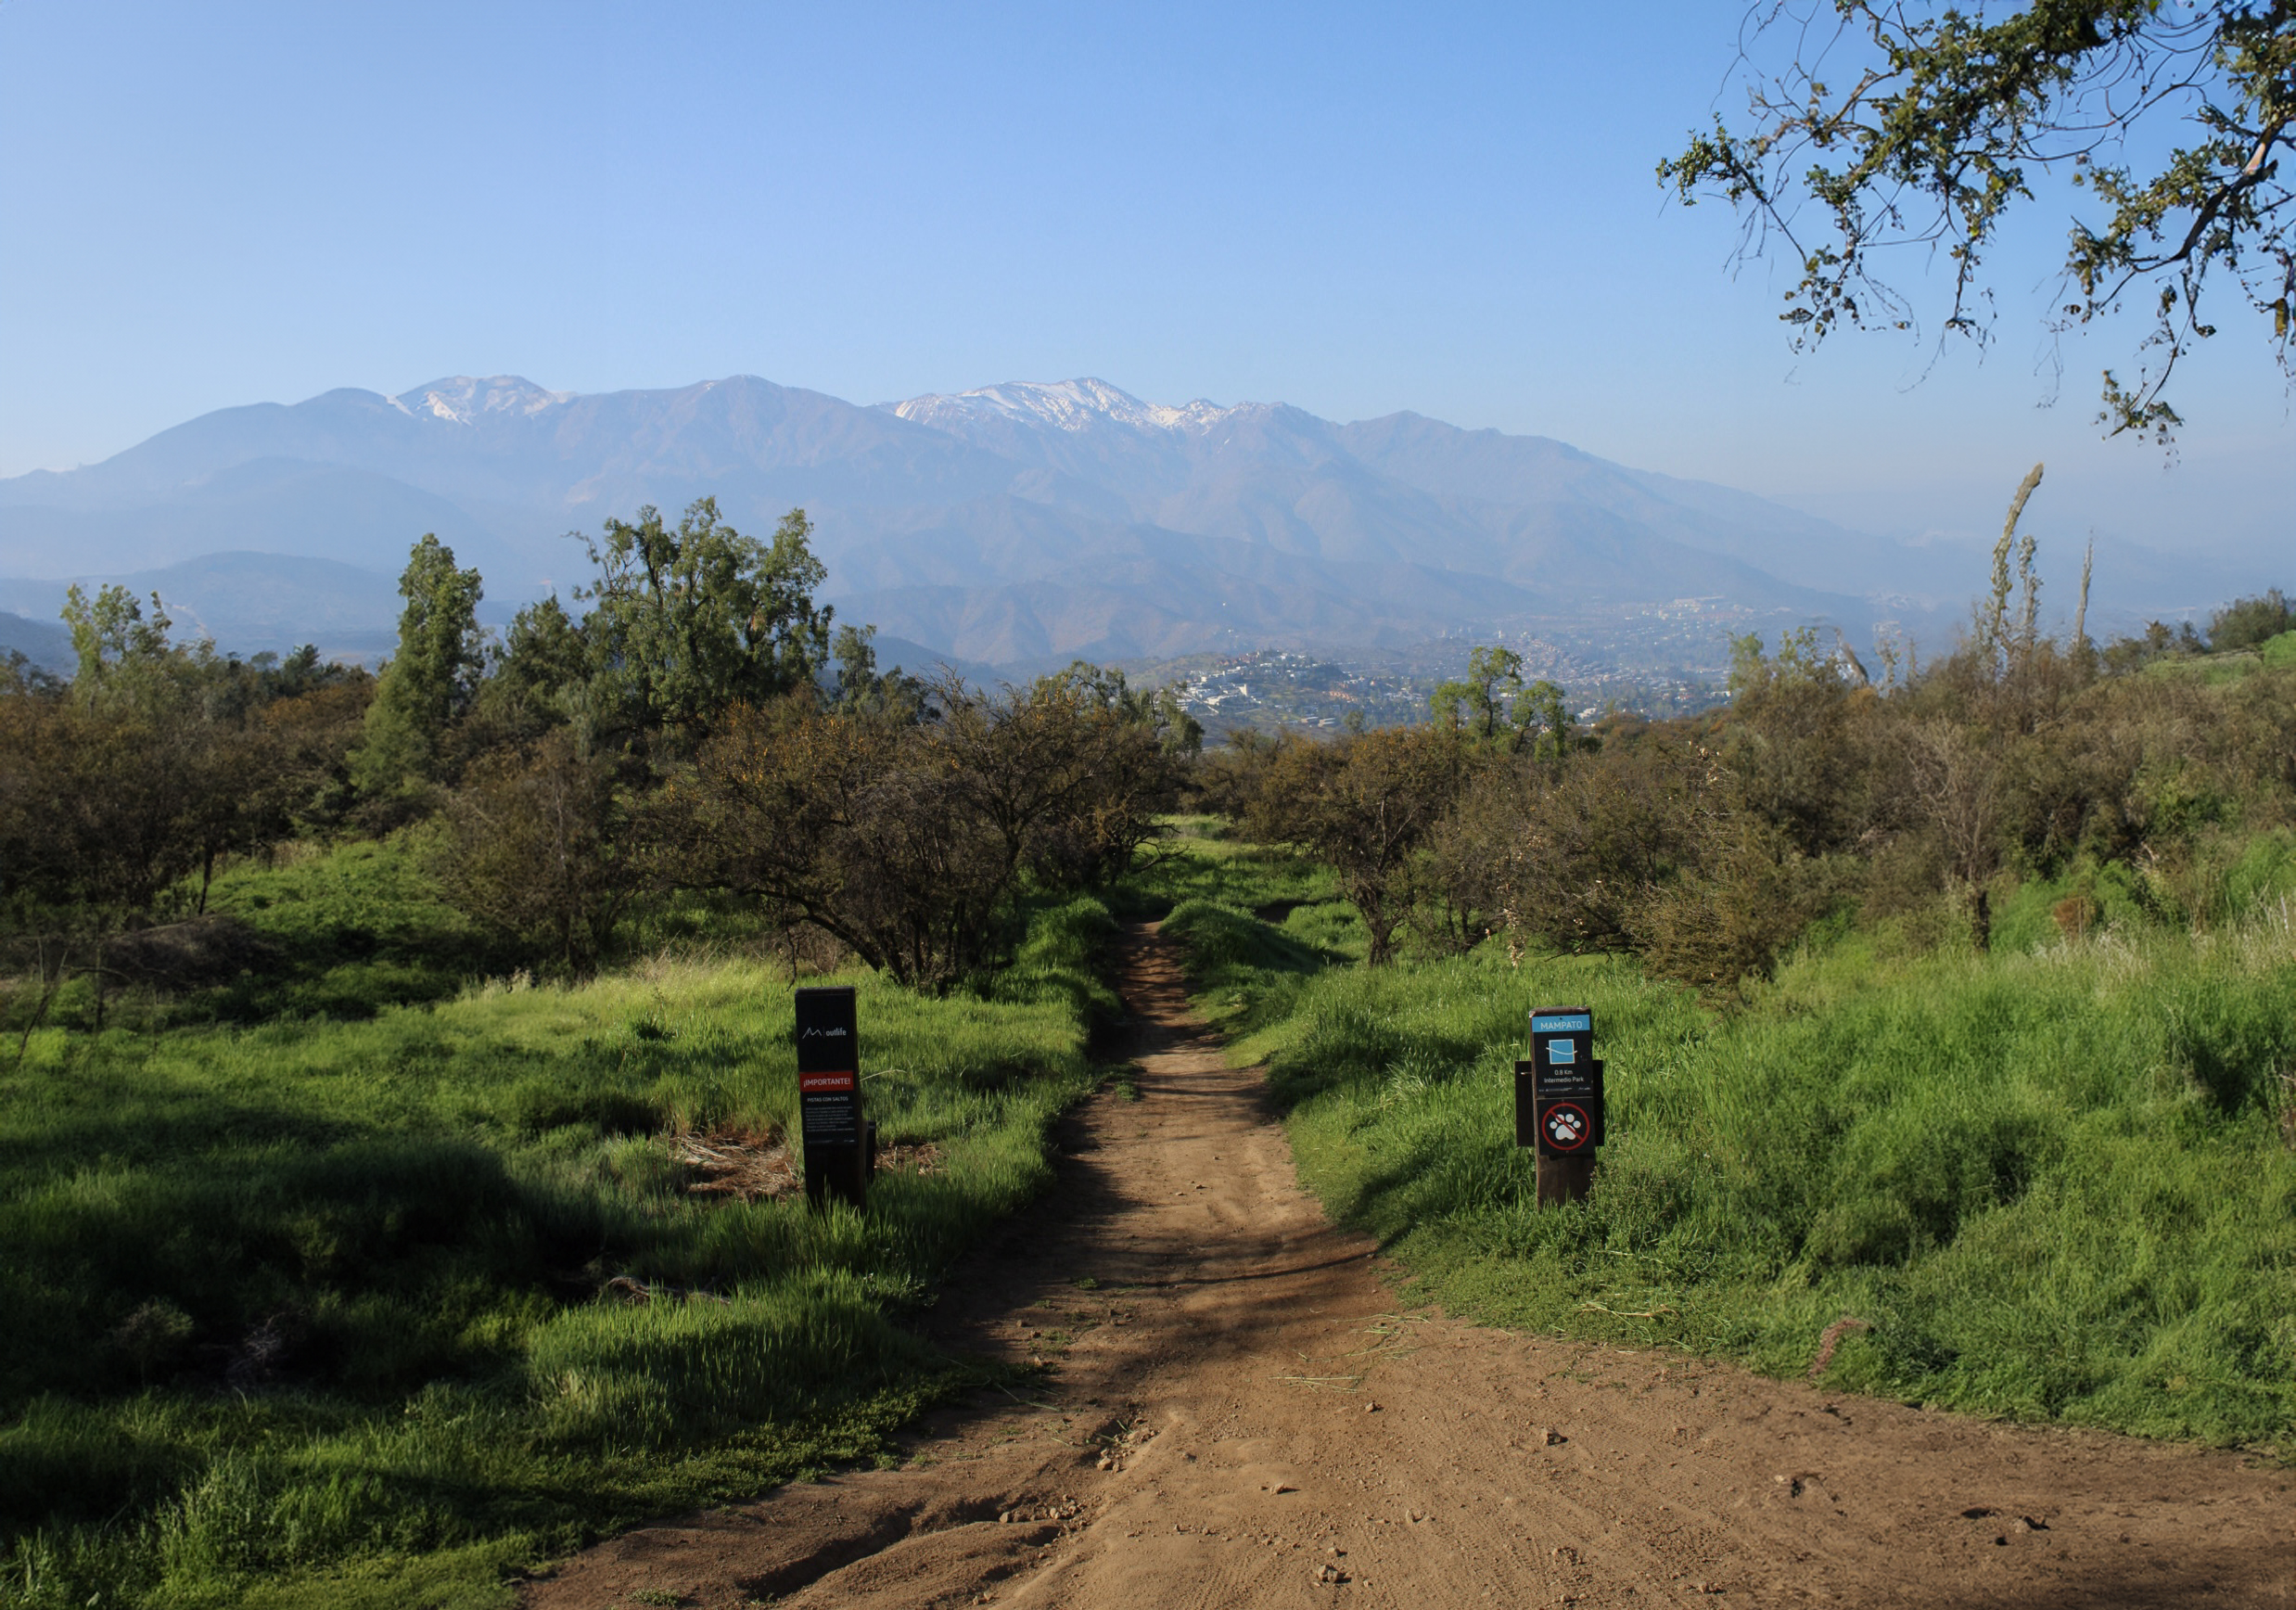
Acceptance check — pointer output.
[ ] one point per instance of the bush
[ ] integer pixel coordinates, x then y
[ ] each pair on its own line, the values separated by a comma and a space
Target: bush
2249, 623
537, 844
1752, 896
910, 841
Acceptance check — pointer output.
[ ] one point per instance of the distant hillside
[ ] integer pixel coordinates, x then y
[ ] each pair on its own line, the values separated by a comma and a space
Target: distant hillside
249, 603
1014, 523
43, 643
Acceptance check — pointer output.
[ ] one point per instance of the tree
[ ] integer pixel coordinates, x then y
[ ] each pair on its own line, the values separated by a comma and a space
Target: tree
906, 838
857, 826
1098, 758
2245, 622
1928, 124
314, 723
860, 687
1792, 743
165, 768
1593, 840
1954, 776
156, 761
687, 622
431, 683
123, 657
105, 804
539, 845
1476, 705
2158, 641
1364, 807
541, 676
1471, 858
1492, 707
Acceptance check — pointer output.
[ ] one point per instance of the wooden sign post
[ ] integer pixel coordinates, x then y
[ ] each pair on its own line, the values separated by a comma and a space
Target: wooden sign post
1558, 1102
840, 1150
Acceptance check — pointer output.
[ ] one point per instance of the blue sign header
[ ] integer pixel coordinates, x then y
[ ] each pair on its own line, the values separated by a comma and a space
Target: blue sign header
1565, 1023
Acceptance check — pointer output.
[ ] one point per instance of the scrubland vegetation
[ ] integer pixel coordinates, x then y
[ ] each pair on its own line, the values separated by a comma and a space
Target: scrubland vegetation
1949, 1018
396, 1150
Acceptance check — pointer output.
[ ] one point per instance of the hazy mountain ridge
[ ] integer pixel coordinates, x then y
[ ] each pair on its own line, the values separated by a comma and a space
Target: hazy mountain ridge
248, 602
41, 641
1018, 521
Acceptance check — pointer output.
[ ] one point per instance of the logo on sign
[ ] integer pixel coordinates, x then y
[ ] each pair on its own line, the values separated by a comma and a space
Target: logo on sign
1567, 1126
810, 1032
1561, 1051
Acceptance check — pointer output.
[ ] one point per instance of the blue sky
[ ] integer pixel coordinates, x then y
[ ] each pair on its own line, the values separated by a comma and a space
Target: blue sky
1354, 209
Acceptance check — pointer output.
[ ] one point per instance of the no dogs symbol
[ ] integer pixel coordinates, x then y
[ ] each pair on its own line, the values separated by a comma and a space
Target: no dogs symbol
1567, 1126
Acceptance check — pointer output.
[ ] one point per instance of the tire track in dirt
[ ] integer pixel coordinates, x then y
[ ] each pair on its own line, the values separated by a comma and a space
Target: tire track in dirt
1240, 1415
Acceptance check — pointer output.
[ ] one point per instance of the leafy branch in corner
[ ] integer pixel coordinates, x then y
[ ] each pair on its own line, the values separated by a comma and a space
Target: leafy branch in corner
1892, 125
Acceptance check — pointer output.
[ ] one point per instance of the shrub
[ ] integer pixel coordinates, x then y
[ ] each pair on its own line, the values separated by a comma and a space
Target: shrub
2249, 623
1363, 807
538, 843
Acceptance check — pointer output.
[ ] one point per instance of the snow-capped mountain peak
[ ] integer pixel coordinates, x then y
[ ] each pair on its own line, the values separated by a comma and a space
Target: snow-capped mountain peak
463, 400
1059, 405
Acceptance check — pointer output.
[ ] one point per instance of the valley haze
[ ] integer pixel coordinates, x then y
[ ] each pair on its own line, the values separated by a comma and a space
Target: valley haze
1016, 526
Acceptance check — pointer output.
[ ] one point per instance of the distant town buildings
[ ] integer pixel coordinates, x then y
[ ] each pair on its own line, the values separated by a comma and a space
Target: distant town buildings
1281, 689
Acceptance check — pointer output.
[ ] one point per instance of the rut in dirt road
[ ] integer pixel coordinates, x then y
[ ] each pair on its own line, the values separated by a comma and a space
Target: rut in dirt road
1240, 1415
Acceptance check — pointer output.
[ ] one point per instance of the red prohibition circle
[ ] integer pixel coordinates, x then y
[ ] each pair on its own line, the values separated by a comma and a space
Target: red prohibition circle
1547, 1126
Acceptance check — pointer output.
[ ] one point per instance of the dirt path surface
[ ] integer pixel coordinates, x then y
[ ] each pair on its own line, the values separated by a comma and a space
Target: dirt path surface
1240, 1415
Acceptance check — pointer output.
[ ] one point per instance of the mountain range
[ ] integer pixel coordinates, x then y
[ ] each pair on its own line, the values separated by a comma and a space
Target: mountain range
1013, 525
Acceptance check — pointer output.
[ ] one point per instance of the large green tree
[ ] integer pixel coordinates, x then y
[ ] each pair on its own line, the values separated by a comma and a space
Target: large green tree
1491, 706
123, 655
1871, 125
431, 683
688, 620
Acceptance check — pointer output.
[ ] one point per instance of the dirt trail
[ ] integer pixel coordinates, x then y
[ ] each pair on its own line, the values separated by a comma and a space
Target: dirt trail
1242, 1416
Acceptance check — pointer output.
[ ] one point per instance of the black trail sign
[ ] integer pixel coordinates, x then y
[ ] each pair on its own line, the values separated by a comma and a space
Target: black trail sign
839, 1144
1558, 1093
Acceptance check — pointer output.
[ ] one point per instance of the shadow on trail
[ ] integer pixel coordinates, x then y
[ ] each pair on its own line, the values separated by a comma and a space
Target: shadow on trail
1099, 1221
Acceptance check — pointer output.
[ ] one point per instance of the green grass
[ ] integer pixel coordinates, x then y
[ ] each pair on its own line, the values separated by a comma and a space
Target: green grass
420, 1212
1248, 974
2215, 669
354, 930
2053, 1180
2224, 875
349, 933
1202, 859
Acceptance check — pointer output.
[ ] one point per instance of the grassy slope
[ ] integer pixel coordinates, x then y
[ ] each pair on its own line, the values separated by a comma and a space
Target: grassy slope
1205, 859
2051, 1180
2273, 653
348, 934
423, 1208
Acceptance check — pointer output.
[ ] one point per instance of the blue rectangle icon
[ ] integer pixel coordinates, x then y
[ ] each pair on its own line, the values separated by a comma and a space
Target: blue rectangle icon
1571, 1023
1559, 1051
